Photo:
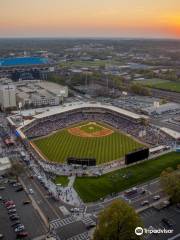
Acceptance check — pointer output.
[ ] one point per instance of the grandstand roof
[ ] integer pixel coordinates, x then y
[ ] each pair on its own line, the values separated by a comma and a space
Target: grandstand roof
170, 132
80, 105
20, 61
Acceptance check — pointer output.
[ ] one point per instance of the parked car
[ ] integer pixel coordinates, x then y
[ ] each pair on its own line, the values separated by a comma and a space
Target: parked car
12, 181
15, 217
19, 228
17, 184
1, 236
19, 189
12, 215
2, 188
22, 235
11, 206
13, 210
8, 203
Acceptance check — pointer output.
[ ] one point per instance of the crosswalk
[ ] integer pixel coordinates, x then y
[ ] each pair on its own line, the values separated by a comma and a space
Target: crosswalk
62, 222
81, 236
58, 223
88, 221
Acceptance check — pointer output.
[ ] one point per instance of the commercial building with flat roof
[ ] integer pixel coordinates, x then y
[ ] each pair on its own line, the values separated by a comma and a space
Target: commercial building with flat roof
5, 165
40, 93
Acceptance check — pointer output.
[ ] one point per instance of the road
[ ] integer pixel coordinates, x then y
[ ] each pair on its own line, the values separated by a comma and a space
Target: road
172, 96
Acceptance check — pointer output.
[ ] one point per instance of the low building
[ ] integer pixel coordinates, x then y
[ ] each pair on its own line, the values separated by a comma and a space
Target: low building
7, 96
40, 93
5, 165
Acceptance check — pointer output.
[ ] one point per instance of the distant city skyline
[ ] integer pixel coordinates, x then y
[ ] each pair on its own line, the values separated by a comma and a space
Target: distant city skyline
102, 18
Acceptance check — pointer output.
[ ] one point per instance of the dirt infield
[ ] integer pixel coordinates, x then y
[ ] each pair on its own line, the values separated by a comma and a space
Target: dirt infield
77, 131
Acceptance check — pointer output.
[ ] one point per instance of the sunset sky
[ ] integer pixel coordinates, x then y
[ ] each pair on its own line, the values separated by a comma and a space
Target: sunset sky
92, 18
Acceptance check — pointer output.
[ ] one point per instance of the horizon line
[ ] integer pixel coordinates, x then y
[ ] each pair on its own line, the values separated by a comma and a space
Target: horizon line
94, 38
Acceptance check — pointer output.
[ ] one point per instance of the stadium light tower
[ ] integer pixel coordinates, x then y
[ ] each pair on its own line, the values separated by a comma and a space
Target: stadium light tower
124, 96
20, 112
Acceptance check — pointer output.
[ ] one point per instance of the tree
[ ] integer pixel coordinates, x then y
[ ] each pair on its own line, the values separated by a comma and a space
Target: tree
170, 181
17, 169
140, 90
118, 222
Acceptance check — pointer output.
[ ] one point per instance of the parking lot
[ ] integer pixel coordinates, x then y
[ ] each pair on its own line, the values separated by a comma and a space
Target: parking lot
28, 216
155, 219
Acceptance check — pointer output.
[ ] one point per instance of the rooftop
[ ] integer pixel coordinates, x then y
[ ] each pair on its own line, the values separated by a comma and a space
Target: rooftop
20, 61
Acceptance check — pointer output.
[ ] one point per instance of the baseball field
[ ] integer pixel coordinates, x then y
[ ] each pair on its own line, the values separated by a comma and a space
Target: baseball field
86, 140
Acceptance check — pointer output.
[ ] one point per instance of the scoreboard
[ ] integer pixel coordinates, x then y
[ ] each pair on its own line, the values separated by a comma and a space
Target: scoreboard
136, 156
81, 161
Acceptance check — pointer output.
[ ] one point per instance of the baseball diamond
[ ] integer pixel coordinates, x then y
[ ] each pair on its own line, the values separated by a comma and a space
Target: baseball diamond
86, 140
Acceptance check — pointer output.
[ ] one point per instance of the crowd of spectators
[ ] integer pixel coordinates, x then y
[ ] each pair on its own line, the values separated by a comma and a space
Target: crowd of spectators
145, 133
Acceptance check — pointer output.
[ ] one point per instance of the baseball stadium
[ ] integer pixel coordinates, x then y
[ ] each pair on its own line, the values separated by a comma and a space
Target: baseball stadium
88, 131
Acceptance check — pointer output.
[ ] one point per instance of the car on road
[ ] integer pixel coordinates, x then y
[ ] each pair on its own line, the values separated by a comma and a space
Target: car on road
2, 188
130, 192
144, 203
156, 198
1, 236
1, 198
31, 191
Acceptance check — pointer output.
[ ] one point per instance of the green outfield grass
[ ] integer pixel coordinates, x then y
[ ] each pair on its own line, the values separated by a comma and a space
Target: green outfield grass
61, 145
161, 84
93, 188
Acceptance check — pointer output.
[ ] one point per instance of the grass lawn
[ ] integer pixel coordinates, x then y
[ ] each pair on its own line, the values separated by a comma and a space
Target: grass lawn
93, 188
63, 180
161, 84
90, 63
61, 145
